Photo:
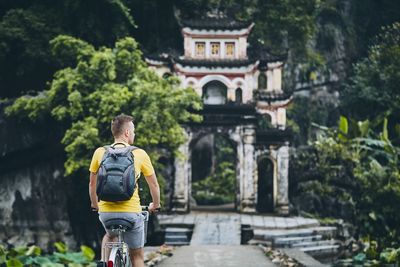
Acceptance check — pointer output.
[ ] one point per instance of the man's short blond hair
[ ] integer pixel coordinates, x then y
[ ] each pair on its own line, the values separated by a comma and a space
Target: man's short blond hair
118, 124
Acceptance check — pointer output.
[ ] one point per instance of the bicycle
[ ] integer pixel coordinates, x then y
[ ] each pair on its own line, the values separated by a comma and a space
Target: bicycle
119, 255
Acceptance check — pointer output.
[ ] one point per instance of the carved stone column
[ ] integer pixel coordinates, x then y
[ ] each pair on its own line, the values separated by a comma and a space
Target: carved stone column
248, 186
180, 199
237, 138
282, 200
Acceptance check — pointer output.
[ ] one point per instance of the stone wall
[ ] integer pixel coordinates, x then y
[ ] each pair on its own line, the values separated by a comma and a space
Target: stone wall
37, 203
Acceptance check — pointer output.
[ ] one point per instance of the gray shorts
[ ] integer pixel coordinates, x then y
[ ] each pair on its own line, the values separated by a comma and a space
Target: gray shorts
134, 237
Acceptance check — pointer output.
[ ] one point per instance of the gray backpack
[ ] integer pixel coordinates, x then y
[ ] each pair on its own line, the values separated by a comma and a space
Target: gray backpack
116, 176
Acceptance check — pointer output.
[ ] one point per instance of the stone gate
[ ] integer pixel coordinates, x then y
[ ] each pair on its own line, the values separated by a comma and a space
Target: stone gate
243, 100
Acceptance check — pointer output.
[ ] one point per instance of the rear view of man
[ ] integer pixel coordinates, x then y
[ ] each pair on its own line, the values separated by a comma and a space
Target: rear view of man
123, 130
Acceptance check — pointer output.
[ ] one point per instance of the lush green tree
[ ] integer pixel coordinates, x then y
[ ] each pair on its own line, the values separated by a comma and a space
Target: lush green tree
98, 84
26, 28
373, 89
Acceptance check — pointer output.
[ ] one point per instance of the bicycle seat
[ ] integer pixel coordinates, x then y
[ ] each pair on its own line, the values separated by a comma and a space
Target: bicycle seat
118, 223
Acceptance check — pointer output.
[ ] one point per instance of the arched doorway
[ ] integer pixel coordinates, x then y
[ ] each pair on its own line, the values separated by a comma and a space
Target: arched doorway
265, 192
214, 93
213, 166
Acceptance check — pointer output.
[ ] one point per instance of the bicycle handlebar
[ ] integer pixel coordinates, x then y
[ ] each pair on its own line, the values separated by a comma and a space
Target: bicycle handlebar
146, 208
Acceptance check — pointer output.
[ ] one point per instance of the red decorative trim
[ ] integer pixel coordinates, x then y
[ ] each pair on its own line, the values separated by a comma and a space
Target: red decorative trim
198, 76
202, 74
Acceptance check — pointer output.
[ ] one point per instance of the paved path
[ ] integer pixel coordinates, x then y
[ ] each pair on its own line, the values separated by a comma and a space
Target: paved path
217, 256
217, 229
216, 238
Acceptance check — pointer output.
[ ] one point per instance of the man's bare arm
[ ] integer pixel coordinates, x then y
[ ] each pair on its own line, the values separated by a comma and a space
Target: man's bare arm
92, 190
154, 191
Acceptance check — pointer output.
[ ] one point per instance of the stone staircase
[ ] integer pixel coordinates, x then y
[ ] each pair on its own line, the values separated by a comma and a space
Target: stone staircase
300, 234
317, 241
178, 236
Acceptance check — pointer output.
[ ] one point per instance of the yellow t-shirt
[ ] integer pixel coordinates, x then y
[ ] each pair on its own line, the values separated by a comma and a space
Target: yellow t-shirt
142, 165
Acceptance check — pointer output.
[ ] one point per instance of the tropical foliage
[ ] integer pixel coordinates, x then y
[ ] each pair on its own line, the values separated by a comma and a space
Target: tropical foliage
34, 256
355, 171
97, 84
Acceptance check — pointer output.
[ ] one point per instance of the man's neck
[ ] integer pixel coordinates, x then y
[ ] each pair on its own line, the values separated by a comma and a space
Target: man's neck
121, 141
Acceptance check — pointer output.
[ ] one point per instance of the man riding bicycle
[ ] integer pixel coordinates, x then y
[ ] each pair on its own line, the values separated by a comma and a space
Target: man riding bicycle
123, 130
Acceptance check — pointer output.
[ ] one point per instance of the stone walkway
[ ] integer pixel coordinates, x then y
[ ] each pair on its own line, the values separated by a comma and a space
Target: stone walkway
216, 238
255, 220
217, 256
216, 229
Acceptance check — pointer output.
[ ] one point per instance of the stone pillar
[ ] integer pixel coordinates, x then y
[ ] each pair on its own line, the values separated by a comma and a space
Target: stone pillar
277, 76
188, 46
237, 137
230, 94
248, 186
180, 199
281, 118
242, 47
282, 198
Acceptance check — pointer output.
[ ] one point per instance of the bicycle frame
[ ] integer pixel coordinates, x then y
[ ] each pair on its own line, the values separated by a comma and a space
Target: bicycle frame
119, 255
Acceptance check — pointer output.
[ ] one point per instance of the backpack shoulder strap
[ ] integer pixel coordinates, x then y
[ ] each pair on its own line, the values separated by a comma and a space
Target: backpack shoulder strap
106, 148
130, 149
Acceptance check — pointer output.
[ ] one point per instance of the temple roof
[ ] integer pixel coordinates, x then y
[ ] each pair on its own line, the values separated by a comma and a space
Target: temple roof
215, 24
267, 96
232, 63
266, 56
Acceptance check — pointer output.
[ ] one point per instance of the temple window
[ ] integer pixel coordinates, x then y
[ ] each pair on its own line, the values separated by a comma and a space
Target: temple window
200, 49
215, 49
230, 49
262, 81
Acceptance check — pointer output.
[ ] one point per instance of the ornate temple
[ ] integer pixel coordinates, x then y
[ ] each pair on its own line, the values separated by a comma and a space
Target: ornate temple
238, 92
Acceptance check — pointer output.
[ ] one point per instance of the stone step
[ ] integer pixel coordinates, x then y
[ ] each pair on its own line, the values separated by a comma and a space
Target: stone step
264, 234
178, 235
321, 250
276, 222
176, 230
313, 243
289, 241
325, 231
176, 239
